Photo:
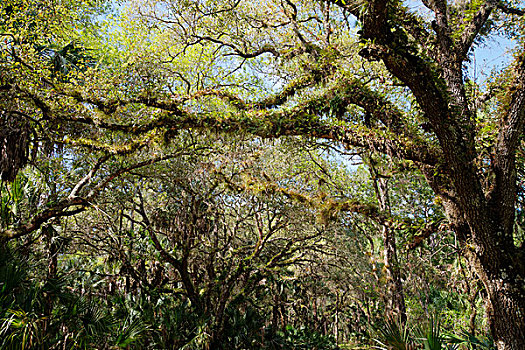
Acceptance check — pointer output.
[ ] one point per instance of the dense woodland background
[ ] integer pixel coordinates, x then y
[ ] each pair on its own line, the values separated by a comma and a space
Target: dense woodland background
277, 174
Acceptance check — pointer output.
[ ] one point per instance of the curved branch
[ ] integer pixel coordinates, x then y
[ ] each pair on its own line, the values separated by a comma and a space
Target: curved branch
236, 51
58, 210
303, 119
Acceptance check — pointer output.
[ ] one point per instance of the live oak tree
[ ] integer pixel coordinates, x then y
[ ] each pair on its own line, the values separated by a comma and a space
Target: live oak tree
423, 56
373, 75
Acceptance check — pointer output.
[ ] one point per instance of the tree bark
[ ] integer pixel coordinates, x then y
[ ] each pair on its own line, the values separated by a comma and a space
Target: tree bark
502, 277
395, 303
482, 216
506, 314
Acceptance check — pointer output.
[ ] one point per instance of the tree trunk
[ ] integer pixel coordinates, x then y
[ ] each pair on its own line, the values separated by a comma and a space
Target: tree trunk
501, 271
506, 298
52, 270
390, 258
506, 312
395, 302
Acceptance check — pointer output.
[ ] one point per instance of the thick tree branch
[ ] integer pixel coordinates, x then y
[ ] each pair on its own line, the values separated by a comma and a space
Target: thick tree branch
326, 206
503, 195
181, 265
472, 30
505, 8
58, 210
302, 119
441, 96
440, 8
375, 25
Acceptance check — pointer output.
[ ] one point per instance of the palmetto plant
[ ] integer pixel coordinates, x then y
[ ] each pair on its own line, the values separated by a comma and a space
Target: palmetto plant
71, 57
22, 330
394, 335
25, 323
131, 332
467, 340
431, 333
20, 327
12, 274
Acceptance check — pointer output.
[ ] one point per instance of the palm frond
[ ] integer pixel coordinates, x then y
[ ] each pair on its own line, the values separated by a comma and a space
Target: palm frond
394, 335
131, 331
431, 334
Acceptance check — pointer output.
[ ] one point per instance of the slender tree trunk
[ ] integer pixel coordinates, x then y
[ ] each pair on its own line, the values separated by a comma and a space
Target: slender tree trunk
395, 302
52, 270
390, 257
336, 321
275, 312
473, 295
